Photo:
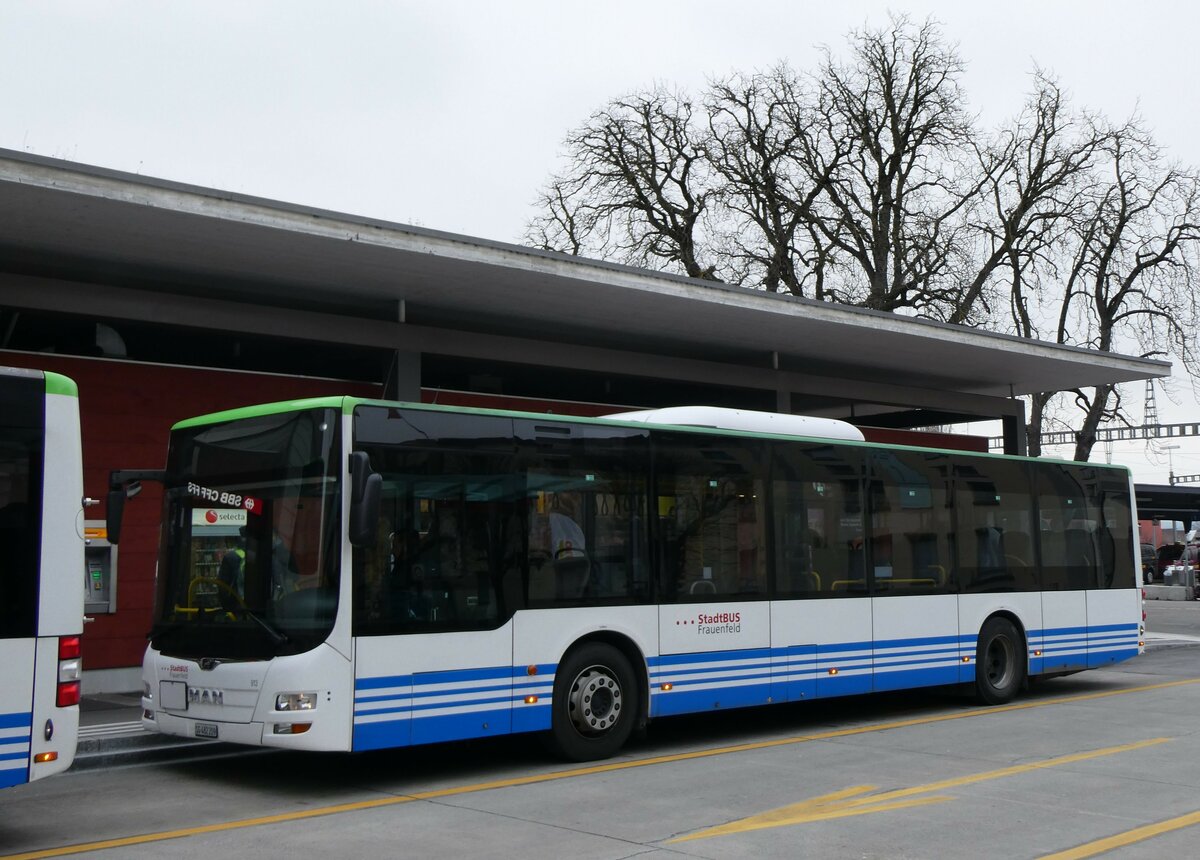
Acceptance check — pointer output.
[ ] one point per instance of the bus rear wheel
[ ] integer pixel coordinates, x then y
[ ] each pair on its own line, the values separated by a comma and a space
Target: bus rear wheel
595, 703
999, 662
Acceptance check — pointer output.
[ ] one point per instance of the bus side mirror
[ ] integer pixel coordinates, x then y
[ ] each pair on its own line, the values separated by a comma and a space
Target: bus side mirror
116, 510
366, 494
125, 484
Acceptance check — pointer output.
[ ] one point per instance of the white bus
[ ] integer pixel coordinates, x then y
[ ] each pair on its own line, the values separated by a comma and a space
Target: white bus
404, 574
41, 570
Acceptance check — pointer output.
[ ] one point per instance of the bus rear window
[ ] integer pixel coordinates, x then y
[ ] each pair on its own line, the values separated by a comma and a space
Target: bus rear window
21, 431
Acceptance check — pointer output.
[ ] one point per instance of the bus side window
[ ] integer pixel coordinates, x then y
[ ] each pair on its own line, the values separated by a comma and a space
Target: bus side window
995, 520
818, 521
712, 517
912, 522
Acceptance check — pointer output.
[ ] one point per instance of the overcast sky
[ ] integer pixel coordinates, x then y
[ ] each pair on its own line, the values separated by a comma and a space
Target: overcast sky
450, 115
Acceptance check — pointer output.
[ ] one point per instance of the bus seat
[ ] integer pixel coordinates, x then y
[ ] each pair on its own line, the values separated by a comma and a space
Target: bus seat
703, 586
1018, 549
571, 576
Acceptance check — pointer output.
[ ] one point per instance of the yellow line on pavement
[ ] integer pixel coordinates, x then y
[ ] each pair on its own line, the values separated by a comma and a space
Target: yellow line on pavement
854, 801
1129, 837
610, 767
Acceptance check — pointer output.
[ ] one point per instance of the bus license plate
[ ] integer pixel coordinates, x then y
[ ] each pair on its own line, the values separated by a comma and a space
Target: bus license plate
206, 730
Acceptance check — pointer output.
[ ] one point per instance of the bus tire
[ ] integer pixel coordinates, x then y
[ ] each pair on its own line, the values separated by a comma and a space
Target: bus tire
999, 662
595, 703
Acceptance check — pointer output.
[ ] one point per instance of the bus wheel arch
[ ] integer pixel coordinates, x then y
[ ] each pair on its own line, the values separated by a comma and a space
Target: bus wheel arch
599, 697
1001, 659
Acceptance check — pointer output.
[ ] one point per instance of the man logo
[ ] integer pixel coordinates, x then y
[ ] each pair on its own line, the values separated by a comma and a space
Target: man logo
201, 696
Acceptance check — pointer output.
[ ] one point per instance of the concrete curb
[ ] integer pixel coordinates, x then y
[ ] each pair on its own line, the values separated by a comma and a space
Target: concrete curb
1169, 592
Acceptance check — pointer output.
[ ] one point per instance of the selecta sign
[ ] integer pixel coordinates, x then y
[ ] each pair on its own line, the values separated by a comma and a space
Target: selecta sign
218, 517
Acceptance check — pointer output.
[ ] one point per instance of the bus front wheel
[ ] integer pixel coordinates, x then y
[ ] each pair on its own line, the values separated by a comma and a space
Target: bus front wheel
595, 703
999, 662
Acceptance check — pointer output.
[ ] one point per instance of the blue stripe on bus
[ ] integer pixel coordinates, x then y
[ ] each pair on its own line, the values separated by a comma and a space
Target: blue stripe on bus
708, 670
727, 679
18, 720
449, 676
686, 702
399, 709
433, 706
914, 677
709, 657
417, 693
16, 776
14, 756
1083, 631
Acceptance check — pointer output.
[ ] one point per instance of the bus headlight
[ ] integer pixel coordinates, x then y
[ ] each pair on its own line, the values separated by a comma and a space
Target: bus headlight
295, 701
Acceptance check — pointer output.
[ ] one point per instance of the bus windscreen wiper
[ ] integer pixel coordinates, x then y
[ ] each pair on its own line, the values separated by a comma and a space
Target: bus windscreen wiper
278, 637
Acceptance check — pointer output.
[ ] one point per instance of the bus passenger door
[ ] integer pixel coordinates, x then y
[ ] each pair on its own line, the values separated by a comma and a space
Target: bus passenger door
435, 595
821, 612
1068, 567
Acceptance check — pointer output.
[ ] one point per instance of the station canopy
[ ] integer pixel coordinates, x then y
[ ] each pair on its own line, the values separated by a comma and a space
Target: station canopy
137, 253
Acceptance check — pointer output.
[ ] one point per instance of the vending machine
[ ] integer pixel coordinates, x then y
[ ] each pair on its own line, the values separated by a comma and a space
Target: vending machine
215, 531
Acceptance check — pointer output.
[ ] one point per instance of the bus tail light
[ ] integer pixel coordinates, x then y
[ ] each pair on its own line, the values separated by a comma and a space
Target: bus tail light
70, 650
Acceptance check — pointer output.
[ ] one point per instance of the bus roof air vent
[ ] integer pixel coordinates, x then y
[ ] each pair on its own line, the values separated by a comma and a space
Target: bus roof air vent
744, 419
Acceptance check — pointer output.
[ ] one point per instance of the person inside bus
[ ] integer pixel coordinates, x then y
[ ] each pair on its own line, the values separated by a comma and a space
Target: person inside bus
558, 538
232, 572
402, 583
285, 578
566, 536
555, 534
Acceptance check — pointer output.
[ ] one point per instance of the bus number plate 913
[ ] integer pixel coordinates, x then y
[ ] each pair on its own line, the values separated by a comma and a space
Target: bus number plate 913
206, 730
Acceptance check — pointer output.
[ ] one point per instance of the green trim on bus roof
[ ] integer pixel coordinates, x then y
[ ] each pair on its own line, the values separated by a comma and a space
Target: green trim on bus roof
348, 404
56, 383
258, 411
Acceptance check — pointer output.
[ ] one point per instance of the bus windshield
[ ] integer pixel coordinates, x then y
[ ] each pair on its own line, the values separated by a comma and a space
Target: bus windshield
249, 560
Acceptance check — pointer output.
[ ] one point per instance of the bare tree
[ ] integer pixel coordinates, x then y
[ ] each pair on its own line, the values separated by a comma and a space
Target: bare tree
762, 148
1034, 174
636, 189
1128, 282
896, 204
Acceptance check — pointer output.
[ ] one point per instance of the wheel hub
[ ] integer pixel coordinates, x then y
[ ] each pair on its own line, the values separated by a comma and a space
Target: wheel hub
595, 701
1000, 661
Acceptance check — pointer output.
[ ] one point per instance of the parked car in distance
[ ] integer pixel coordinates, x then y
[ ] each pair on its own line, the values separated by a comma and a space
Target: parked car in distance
1177, 573
1165, 557
1149, 553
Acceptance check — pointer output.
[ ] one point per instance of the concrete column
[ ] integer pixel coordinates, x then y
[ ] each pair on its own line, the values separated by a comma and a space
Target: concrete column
403, 380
